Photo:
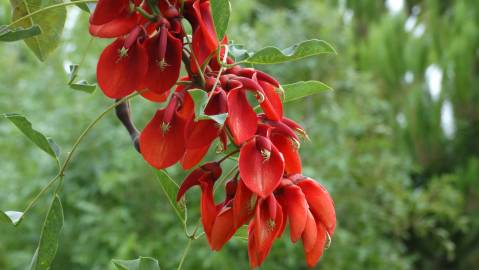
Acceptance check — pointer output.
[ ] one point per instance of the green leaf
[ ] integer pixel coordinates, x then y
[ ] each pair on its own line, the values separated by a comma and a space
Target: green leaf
10, 217
200, 99
84, 7
84, 86
218, 118
303, 89
143, 263
170, 188
221, 11
273, 55
46, 144
48, 245
51, 23
19, 33
238, 52
73, 73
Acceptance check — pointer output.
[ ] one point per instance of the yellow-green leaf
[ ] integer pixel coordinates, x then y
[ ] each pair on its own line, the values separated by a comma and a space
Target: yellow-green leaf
51, 22
48, 245
303, 89
273, 55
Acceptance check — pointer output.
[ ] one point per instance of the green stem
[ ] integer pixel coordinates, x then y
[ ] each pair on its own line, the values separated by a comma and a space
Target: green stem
48, 8
185, 253
61, 172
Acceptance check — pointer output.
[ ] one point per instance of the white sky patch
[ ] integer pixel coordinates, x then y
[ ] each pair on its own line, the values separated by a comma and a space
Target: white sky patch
448, 124
72, 18
401, 119
419, 30
434, 81
409, 77
395, 6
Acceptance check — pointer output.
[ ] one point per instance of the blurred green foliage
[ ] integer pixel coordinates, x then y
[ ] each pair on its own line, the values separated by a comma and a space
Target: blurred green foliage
400, 158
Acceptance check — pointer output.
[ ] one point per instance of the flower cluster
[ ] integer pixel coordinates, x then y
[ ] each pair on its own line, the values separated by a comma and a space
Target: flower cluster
268, 191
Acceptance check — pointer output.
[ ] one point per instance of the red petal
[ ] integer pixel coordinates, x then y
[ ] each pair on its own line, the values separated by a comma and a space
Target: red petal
193, 156
152, 96
294, 204
272, 106
108, 10
243, 204
310, 233
162, 149
261, 175
160, 79
208, 209
313, 256
222, 230
115, 28
120, 76
201, 133
320, 203
265, 230
290, 152
190, 181
242, 120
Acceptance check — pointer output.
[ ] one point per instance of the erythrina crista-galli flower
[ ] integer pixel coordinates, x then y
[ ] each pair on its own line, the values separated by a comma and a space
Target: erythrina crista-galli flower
268, 191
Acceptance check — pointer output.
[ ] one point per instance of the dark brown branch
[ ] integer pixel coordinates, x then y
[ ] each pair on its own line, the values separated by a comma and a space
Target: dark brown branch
123, 113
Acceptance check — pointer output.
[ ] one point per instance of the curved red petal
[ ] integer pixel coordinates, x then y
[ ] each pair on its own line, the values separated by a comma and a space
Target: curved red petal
320, 203
294, 204
152, 96
266, 229
242, 120
310, 233
163, 73
289, 149
208, 208
119, 76
244, 204
190, 181
272, 105
193, 156
223, 229
313, 256
115, 28
108, 10
162, 145
260, 173
201, 133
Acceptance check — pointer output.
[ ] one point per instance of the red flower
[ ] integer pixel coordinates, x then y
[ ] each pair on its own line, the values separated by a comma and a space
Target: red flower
261, 166
162, 142
165, 52
114, 18
123, 65
264, 229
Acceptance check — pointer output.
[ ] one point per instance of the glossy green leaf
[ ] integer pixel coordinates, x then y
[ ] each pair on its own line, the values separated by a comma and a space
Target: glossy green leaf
48, 245
84, 6
221, 11
170, 188
218, 118
143, 263
19, 33
303, 89
10, 217
273, 55
238, 52
84, 86
51, 22
46, 144
200, 99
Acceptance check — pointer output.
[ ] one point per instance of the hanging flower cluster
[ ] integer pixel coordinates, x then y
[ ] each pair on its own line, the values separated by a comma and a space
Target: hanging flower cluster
268, 191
